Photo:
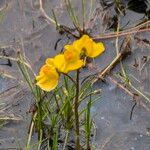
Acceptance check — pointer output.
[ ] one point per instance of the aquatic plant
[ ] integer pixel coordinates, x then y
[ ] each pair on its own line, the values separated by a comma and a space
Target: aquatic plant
63, 98
72, 59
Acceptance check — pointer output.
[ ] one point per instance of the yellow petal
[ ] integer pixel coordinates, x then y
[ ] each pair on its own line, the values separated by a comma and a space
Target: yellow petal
82, 44
88, 47
79, 44
98, 48
50, 61
48, 78
39, 77
74, 66
68, 61
47, 85
71, 54
59, 62
84, 40
72, 58
95, 50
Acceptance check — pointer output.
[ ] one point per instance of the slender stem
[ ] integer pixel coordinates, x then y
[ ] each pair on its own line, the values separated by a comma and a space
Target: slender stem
110, 66
117, 38
70, 78
49, 20
40, 139
121, 86
139, 92
66, 139
122, 33
76, 105
57, 103
30, 132
83, 14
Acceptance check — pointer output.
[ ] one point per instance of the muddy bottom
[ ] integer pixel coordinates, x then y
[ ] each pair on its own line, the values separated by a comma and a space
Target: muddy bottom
23, 28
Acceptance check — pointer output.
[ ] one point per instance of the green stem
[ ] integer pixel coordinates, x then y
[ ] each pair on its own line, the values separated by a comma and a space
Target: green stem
69, 78
76, 105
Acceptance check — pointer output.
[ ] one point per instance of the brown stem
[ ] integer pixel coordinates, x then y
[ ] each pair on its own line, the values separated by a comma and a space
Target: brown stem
132, 30
123, 33
70, 78
117, 59
76, 105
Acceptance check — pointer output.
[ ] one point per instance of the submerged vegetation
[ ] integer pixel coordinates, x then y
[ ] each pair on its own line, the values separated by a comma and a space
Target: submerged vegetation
63, 96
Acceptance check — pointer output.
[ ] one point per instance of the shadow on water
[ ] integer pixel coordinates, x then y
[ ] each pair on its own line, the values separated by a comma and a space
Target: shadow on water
23, 27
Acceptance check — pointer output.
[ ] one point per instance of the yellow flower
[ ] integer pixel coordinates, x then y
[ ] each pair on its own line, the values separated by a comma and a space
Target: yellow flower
68, 61
85, 45
48, 77
50, 62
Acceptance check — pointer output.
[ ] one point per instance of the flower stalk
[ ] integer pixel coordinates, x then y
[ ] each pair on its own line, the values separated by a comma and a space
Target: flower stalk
76, 106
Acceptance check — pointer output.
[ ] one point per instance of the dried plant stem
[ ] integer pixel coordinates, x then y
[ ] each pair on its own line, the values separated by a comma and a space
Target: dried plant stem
125, 32
121, 86
14, 59
10, 118
102, 74
139, 26
105, 72
120, 55
117, 38
66, 140
49, 20
53, 21
139, 92
83, 14
30, 132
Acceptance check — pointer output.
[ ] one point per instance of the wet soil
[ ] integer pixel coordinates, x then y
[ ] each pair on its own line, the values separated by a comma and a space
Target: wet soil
23, 28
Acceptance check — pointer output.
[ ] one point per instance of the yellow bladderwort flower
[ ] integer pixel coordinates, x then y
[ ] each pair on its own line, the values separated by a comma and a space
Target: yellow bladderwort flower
86, 46
68, 61
48, 77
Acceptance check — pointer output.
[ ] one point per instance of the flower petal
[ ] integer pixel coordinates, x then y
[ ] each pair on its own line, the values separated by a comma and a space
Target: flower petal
68, 61
88, 47
48, 78
47, 85
96, 49
74, 66
59, 62
50, 61
71, 54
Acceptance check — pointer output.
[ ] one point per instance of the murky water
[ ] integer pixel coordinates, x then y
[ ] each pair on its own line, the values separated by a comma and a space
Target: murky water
22, 27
